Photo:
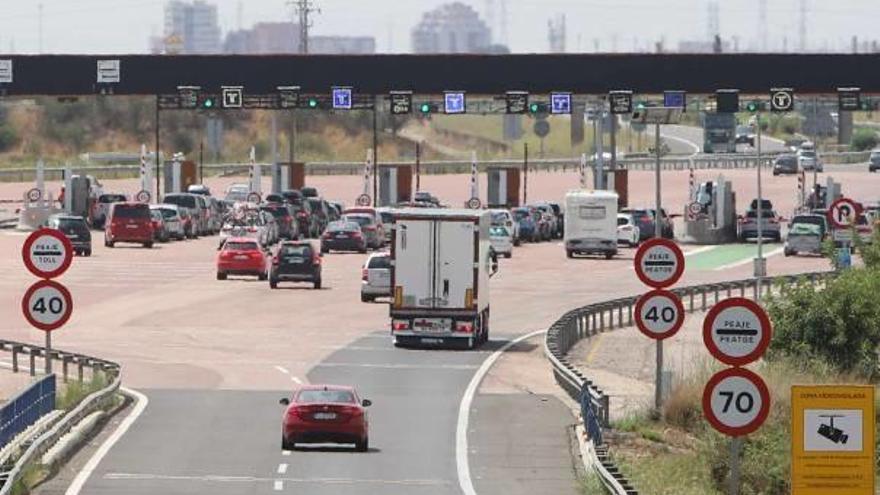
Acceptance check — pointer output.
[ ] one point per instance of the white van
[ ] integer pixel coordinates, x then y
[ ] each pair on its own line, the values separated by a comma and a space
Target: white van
591, 223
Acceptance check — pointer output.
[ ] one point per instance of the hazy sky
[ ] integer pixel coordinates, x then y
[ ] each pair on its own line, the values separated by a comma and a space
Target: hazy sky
124, 26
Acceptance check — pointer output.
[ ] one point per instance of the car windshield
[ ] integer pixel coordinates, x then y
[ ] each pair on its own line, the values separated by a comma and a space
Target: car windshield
111, 198
236, 196
387, 217
380, 262
181, 200
522, 214
764, 214
499, 231
168, 213
240, 246
622, 220
131, 211
362, 220
298, 250
808, 154
344, 226
70, 224
499, 217
321, 396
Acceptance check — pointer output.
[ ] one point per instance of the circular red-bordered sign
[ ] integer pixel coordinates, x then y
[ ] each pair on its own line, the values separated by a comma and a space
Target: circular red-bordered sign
737, 331
659, 314
363, 200
47, 305
844, 210
736, 401
47, 253
659, 263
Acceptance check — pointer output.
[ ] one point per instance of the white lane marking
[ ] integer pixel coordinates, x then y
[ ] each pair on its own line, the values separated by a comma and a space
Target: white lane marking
92, 464
282, 369
278, 485
749, 260
296, 380
285, 453
398, 366
699, 250
255, 479
282, 468
464, 409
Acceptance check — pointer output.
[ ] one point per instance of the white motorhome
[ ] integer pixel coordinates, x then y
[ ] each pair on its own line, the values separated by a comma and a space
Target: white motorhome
591, 223
440, 267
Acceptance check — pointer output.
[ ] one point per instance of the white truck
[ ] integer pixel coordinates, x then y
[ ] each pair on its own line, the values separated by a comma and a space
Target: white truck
591, 223
441, 261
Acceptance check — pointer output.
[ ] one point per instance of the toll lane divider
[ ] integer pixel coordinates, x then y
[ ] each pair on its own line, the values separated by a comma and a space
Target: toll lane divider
13, 471
587, 321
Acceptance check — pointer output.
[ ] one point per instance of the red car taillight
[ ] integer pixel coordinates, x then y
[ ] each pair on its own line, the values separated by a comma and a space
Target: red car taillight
464, 327
316, 260
400, 325
302, 214
365, 274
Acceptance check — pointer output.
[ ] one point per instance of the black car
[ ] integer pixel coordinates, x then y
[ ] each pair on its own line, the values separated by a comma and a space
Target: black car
785, 164
295, 261
426, 197
343, 236
76, 230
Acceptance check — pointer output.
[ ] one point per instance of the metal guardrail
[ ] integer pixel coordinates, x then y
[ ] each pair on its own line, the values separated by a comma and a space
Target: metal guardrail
97, 400
586, 321
27, 408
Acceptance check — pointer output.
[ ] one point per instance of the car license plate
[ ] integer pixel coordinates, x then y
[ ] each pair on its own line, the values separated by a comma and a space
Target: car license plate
325, 415
341, 236
130, 226
72, 236
431, 324
295, 259
241, 257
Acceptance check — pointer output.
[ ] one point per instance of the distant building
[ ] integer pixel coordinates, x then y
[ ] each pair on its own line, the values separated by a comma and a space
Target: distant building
451, 28
283, 37
192, 27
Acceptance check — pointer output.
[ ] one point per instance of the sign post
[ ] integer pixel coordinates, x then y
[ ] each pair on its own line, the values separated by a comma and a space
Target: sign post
659, 263
736, 401
832, 440
47, 305
843, 214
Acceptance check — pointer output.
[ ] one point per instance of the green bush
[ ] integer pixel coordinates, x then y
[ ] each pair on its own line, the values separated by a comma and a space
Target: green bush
839, 324
8, 138
864, 139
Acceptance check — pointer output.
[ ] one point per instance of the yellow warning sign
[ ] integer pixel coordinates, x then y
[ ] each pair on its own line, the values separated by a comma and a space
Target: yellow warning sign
832, 440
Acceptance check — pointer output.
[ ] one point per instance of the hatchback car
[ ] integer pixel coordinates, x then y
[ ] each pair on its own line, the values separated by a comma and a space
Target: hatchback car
129, 222
160, 233
627, 230
325, 413
76, 230
376, 277
343, 236
501, 240
241, 256
505, 219
295, 261
173, 221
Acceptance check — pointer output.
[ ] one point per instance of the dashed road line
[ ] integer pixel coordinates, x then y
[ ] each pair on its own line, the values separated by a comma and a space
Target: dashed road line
278, 485
282, 369
296, 380
282, 468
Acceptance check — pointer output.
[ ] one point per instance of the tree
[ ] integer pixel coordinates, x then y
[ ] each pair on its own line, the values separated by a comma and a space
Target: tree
864, 139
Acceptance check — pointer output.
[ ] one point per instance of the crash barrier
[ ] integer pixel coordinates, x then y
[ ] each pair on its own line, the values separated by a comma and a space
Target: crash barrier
587, 321
698, 162
26, 408
12, 470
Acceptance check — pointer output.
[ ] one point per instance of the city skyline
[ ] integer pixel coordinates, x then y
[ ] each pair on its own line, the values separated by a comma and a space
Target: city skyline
101, 26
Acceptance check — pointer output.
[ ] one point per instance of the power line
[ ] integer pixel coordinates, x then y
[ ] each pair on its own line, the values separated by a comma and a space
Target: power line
302, 9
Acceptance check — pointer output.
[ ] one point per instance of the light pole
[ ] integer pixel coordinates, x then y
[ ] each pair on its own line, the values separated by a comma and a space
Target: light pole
760, 268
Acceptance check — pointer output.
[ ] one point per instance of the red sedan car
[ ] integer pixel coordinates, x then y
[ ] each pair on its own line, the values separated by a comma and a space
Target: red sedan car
241, 256
325, 414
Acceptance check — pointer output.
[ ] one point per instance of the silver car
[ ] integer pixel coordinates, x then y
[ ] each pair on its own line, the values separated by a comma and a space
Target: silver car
376, 277
173, 221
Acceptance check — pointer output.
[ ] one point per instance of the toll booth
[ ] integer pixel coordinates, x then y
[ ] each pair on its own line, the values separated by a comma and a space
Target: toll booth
503, 187
80, 187
179, 175
710, 215
621, 186
288, 175
395, 184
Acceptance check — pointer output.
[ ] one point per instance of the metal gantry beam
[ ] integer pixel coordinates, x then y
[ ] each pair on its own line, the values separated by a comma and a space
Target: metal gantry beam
433, 74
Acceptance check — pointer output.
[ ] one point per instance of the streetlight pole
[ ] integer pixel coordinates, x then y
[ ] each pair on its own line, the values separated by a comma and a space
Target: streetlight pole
759, 267
658, 233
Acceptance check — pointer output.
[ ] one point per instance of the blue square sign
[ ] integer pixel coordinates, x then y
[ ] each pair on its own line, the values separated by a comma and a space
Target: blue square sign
560, 103
342, 98
454, 102
674, 99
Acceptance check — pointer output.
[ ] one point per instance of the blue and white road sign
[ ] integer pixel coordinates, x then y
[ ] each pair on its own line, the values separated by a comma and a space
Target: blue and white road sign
453, 102
342, 98
560, 103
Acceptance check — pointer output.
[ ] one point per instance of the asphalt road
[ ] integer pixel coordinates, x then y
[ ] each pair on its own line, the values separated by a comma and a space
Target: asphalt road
687, 140
214, 358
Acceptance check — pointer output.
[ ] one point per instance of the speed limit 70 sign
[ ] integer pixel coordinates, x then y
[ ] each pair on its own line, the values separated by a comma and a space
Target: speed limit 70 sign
659, 314
47, 305
736, 401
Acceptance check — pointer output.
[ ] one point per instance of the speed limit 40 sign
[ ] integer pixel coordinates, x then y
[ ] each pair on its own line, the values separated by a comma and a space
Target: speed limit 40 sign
659, 314
47, 305
736, 401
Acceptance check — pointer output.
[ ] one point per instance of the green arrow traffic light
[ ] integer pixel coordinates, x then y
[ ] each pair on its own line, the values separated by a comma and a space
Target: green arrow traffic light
425, 108
208, 103
313, 103
752, 106
640, 105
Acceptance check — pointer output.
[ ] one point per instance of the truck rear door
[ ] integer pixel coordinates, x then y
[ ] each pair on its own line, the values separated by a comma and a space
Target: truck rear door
454, 263
414, 262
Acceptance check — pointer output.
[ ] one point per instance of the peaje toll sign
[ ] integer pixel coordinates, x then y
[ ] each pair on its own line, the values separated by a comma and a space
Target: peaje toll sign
47, 253
737, 331
659, 263
47, 305
736, 401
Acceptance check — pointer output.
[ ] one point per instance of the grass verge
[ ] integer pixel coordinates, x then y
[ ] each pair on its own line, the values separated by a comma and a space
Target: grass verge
71, 393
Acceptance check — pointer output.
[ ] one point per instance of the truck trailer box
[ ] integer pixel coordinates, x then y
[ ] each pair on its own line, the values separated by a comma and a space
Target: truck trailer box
591, 223
440, 268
